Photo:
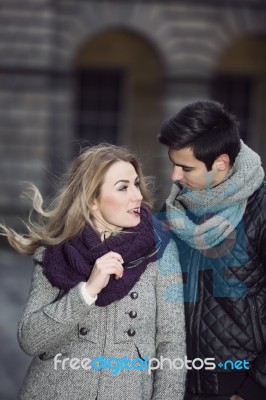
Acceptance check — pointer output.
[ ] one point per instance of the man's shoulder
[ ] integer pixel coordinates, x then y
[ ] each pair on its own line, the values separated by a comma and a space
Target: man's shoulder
259, 193
257, 201
262, 187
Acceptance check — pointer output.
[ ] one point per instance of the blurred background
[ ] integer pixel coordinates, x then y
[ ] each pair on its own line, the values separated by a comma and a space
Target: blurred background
75, 73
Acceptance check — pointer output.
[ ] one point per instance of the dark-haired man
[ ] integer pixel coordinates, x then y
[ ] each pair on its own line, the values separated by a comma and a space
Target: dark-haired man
217, 211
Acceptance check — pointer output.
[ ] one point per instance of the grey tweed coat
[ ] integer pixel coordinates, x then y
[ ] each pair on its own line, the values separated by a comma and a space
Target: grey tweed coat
141, 324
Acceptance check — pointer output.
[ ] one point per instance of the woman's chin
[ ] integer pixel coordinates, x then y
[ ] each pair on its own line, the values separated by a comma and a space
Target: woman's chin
131, 224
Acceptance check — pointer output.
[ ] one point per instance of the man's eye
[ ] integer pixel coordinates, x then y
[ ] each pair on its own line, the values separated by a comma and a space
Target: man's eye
187, 170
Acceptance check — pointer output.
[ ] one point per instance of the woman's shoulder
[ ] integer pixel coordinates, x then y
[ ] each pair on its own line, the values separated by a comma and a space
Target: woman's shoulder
38, 254
169, 263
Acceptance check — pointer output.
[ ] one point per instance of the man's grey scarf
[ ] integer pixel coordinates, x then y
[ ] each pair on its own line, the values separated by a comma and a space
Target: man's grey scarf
219, 209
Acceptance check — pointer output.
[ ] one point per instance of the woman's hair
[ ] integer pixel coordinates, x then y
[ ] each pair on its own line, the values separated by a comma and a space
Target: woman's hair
68, 213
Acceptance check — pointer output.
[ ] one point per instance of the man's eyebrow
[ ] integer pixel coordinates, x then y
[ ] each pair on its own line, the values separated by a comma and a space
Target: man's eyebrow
180, 165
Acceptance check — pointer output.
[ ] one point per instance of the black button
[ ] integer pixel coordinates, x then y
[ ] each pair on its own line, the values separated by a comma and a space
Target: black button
42, 356
131, 332
133, 314
134, 295
83, 331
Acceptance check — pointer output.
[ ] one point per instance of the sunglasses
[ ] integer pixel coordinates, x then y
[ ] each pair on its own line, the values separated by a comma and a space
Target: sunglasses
138, 261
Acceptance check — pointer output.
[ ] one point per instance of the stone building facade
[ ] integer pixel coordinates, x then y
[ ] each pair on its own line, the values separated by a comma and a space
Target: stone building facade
74, 72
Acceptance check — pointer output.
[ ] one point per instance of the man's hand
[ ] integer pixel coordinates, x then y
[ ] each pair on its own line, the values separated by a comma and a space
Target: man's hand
236, 397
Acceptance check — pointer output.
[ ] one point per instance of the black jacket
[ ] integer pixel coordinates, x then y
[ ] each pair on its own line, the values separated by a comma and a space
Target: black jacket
225, 302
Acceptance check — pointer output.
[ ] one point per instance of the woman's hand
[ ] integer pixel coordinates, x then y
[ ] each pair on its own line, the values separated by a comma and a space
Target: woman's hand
236, 397
104, 267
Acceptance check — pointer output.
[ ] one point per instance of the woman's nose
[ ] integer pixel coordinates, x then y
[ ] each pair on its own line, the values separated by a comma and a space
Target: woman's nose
137, 194
177, 174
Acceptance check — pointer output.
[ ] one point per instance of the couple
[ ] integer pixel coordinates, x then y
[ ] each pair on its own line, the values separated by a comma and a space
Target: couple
107, 283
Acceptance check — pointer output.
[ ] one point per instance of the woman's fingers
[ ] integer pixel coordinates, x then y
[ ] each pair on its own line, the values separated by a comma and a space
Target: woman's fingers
109, 267
110, 255
104, 267
111, 258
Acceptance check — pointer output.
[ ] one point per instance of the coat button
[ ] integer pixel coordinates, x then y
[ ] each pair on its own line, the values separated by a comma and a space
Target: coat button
134, 295
42, 356
131, 332
83, 331
133, 314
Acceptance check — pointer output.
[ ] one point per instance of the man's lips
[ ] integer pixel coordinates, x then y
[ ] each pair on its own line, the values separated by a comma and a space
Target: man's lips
182, 184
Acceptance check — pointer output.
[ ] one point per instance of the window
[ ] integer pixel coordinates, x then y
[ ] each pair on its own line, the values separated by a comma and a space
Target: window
235, 93
99, 105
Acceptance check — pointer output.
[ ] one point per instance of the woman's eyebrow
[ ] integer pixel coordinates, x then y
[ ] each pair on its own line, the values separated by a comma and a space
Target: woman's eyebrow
126, 180
122, 180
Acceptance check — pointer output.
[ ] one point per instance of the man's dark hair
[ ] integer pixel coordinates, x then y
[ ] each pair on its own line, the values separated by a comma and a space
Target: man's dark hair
206, 128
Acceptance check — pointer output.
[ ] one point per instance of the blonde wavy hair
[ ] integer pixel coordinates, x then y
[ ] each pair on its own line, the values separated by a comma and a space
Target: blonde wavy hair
71, 209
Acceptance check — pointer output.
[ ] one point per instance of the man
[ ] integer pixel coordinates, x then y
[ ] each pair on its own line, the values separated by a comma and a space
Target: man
217, 211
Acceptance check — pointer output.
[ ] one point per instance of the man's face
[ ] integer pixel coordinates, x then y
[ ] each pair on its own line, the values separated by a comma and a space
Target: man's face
191, 172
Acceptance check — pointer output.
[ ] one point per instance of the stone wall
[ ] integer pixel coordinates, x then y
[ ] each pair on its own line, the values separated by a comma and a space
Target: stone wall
39, 41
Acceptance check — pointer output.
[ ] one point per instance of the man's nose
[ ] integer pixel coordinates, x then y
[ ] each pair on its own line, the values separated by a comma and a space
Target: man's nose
177, 174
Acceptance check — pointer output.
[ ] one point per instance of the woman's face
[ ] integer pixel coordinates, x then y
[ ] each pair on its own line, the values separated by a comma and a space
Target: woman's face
118, 205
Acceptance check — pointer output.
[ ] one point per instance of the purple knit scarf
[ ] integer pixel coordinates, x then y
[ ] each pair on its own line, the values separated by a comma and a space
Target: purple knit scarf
71, 262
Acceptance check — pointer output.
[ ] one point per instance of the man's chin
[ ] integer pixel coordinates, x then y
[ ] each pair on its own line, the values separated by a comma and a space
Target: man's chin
184, 186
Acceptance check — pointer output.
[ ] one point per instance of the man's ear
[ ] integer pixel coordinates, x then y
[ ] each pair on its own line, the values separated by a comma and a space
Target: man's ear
222, 163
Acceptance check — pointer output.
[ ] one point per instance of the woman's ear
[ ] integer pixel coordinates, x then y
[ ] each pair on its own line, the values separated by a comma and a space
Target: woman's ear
94, 205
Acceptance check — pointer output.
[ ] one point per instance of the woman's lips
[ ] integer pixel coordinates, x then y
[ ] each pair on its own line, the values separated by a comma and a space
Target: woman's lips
135, 212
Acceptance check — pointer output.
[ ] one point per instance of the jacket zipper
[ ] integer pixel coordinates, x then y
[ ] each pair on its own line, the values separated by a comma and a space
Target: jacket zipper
195, 328
255, 323
200, 287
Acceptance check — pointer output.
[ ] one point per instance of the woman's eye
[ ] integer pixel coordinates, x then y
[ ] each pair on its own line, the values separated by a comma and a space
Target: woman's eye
137, 184
122, 189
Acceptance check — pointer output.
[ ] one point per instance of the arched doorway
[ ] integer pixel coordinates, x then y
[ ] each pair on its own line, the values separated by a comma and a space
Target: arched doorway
119, 83
240, 83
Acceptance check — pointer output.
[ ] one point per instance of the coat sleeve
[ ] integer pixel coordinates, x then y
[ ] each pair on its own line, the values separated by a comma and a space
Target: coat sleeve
169, 379
49, 320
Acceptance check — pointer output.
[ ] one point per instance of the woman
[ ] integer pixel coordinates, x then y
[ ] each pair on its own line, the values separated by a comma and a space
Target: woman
96, 312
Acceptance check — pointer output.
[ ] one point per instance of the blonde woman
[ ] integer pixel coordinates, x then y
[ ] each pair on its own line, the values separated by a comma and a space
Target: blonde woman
97, 311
